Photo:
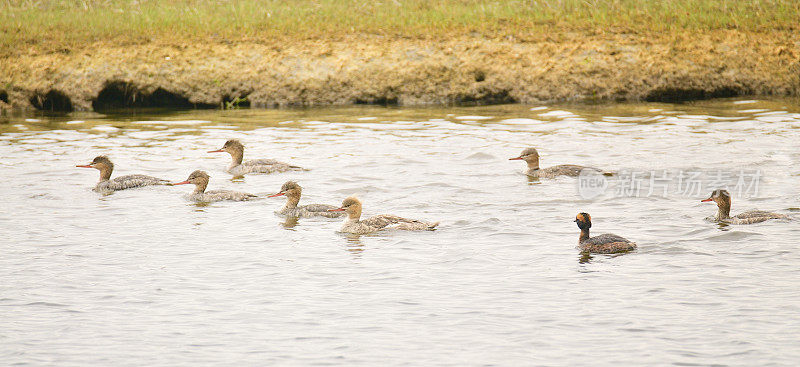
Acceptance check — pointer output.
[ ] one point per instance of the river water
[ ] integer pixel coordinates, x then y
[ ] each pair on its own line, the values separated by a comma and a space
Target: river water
144, 277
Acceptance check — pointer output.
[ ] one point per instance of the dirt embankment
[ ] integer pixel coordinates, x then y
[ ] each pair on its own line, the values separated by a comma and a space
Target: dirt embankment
364, 69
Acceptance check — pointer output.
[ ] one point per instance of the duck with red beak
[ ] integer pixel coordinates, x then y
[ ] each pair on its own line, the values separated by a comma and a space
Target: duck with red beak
354, 225
723, 200
239, 167
531, 157
200, 181
293, 191
106, 184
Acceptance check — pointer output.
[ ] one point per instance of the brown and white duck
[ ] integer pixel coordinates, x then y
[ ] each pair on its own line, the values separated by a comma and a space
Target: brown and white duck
200, 180
353, 223
106, 184
239, 167
531, 157
293, 191
723, 200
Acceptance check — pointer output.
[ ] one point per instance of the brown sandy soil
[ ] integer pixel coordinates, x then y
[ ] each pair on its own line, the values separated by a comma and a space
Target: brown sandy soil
580, 66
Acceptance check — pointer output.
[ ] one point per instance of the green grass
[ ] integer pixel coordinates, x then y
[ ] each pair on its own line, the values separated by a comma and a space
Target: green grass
69, 23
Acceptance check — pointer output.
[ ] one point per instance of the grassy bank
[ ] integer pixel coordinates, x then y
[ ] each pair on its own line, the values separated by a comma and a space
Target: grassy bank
99, 54
71, 23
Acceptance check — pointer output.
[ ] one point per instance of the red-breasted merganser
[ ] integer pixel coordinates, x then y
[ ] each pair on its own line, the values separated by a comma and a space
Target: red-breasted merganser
602, 244
353, 223
292, 191
200, 180
531, 157
723, 200
239, 168
104, 165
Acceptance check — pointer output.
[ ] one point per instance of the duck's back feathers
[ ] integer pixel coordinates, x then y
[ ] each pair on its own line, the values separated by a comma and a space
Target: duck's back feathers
220, 195
606, 244
570, 170
128, 182
754, 216
321, 210
400, 223
262, 166
311, 210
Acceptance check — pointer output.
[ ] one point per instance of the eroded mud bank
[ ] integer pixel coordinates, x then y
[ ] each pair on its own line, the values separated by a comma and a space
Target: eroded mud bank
366, 69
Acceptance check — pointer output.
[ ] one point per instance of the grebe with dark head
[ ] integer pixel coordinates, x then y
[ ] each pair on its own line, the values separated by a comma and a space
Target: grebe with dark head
353, 223
723, 200
200, 180
106, 184
602, 244
293, 191
238, 167
531, 157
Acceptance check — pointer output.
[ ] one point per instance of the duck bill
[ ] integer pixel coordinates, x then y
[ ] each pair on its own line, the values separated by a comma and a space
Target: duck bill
181, 183
216, 151
515, 159
705, 200
84, 166
276, 195
336, 210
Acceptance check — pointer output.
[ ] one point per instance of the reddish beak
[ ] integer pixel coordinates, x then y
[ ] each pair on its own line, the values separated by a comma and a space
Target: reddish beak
276, 195
84, 166
216, 151
515, 159
182, 183
704, 200
336, 210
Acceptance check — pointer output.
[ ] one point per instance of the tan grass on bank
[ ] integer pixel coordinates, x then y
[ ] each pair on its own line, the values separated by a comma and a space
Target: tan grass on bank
72, 23
82, 55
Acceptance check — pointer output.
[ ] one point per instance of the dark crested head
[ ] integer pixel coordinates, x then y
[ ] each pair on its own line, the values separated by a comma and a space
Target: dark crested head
198, 174
584, 220
289, 186
233, 143
351, 201
102, 160
198, 178
101, 163
528, 154
719, 196
720, 193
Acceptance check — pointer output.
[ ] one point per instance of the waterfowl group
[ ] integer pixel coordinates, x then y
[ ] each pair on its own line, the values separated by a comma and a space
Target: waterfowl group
351, 207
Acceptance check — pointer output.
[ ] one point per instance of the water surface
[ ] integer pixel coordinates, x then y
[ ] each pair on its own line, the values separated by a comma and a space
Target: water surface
143, 277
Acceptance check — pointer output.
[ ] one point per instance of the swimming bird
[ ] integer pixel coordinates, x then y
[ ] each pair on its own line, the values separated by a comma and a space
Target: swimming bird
531, 157
106, 184
200, 180
353, 223
239, 168
602, 244
723, 200
292, 191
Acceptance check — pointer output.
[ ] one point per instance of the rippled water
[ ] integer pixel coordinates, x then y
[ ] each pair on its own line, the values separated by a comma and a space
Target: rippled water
143, 277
